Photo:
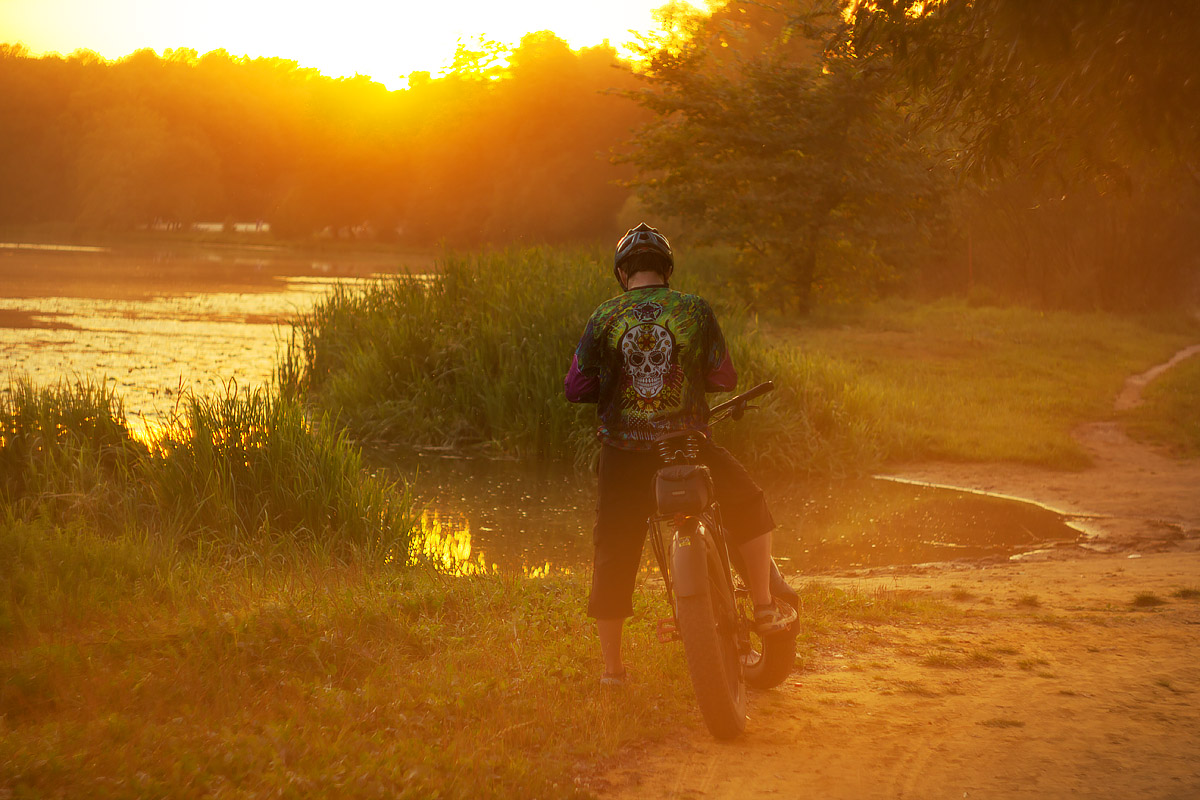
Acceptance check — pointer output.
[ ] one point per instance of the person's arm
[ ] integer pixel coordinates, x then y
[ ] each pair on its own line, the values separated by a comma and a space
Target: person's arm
580, 388
721, 375
722, 379
582, 384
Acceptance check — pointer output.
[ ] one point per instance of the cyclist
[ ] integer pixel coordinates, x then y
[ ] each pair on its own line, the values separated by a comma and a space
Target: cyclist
646, 358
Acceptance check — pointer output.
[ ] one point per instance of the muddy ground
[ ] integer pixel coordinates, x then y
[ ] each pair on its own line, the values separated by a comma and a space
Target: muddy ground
1071, 672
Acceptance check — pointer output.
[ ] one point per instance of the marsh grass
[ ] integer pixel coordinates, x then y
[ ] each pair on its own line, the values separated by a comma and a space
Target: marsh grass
472, 359
242, 470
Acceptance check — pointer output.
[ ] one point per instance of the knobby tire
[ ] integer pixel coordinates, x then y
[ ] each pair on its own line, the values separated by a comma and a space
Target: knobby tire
713, 662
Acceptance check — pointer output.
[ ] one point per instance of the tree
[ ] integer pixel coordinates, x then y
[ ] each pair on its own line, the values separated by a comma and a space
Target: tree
764, 141
1072, 88
1078, 123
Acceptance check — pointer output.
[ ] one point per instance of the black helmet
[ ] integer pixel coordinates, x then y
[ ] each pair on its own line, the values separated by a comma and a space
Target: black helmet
642, 239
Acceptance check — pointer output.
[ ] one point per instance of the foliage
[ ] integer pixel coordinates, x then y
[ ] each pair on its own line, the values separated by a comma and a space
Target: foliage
799, 158
1078, 121
183, 137
1091, 86
244, 473
472, 358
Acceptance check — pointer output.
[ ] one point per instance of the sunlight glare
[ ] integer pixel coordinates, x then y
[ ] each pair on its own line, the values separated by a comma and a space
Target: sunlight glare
385, 40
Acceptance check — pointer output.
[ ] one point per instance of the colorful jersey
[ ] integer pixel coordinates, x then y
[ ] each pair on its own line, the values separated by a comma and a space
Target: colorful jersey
646, 359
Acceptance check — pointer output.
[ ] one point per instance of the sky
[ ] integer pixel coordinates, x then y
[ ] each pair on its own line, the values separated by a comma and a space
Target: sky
386, 39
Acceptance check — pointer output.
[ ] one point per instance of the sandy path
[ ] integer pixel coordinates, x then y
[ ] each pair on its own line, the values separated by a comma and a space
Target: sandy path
1047, 681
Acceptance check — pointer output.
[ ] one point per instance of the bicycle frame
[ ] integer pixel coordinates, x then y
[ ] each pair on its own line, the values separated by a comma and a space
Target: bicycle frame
690, 547
686, 544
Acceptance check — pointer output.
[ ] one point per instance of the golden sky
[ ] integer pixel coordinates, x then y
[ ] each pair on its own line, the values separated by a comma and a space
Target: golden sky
386, 39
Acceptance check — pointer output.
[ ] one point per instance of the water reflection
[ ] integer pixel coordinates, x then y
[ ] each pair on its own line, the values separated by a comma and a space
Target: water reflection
526, 519
155, 324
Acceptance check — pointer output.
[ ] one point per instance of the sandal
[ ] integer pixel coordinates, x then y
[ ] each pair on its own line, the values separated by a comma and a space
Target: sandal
773, 618
614, 680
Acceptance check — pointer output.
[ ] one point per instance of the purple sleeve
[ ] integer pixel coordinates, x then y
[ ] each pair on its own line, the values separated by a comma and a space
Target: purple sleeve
723, 378
580, 388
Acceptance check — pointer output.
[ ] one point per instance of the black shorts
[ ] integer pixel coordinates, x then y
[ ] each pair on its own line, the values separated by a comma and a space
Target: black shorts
626, 500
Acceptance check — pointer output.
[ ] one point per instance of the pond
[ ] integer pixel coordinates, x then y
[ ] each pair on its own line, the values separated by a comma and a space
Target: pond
500, 515
152, 322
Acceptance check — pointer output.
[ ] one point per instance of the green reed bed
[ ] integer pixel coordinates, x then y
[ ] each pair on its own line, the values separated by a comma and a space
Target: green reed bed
473, 359
238, 471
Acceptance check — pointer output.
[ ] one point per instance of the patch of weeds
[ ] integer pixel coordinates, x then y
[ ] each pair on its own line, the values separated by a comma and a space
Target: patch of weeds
1028, 601
915, 687
962, 596
981, 658
942, 661
1002, 722
1029, 663
1186, 594
1053, 620
1047, 675
1005, 650
988, 601
1148, 600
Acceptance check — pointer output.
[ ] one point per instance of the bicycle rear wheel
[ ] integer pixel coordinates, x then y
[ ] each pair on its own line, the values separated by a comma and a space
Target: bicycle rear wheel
708, 627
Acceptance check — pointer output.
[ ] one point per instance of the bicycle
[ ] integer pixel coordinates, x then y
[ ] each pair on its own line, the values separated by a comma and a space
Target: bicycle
712, 612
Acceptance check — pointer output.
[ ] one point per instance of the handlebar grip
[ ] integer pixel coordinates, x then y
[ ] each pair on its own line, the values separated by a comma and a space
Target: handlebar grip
742, 399
757, 391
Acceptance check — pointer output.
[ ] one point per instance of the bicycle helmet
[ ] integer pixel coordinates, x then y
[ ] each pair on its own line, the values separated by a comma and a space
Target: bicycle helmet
642, 239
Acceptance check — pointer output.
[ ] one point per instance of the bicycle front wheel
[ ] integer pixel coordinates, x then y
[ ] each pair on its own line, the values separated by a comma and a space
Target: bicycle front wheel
708, 627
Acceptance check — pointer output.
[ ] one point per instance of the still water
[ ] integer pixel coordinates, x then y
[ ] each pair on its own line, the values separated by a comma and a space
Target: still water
153, 322
494, 514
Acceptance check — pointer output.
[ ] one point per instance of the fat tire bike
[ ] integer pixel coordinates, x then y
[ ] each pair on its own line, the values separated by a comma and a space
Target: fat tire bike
712, 611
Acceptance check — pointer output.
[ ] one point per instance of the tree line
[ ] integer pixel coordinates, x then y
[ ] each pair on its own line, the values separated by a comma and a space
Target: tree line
838, 148
511, 145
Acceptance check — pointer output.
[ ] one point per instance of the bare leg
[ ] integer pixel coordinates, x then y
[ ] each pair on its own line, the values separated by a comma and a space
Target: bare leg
757, 555
610, 644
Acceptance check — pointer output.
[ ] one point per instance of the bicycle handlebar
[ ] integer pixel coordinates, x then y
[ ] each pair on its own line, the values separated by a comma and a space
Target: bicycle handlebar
742, 399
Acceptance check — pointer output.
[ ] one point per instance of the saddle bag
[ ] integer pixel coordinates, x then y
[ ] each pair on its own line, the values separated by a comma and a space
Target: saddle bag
683, 489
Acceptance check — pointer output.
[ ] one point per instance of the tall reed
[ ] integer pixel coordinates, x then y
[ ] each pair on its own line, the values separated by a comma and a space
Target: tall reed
243, 471
473, 358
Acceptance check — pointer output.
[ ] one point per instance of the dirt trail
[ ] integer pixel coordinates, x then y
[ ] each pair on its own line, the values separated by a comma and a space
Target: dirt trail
1052, 682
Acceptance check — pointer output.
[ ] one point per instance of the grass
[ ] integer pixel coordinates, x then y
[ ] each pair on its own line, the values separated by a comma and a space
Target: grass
472, 359
335, 680
482, 348
244, 471
949, 381
1170, 414
355, 681
256, 647
1147, 600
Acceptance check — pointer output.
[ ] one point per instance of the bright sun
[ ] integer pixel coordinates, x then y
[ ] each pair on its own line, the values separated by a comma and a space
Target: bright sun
386, 39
